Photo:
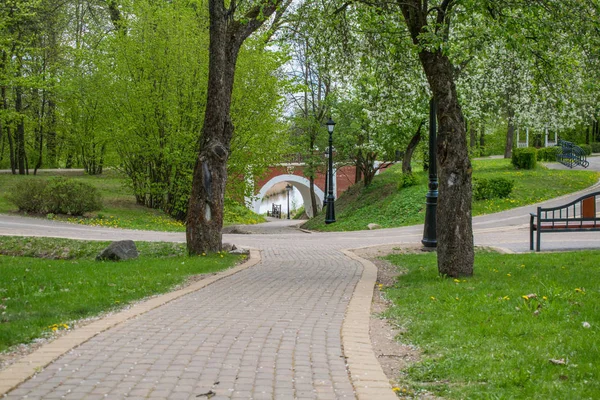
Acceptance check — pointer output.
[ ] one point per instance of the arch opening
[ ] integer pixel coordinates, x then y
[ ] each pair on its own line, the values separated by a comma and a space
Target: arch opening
300, 183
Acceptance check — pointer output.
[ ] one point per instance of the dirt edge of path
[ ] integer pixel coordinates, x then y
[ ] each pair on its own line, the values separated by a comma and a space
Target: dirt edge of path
393, 356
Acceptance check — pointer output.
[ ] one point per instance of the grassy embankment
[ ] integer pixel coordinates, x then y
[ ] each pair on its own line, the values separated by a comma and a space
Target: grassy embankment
524, 327
384, 204
46, 284
120, 209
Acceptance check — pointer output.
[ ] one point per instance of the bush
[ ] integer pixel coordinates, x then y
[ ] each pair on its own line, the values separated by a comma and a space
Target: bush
524, 158
595, 147
56, 196
548, 153
493, 188
407, 180
68, 196
586, 148
28, 195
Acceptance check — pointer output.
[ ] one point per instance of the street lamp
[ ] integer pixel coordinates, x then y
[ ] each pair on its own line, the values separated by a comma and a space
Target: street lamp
326, 180
429, 231
288, 189
330, 216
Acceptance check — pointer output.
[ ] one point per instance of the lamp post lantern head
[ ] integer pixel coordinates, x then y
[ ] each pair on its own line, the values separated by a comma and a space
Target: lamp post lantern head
330, 124
288, 187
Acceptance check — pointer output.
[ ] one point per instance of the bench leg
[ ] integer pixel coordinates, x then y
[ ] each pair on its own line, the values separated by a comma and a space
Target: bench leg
539, 235
530, 237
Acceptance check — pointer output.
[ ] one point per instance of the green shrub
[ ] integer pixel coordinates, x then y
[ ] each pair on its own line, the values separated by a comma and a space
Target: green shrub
28, 195
56, 196
595, 147
493, 188
548, 153
524, 158
407, 180
586, 148
69, 196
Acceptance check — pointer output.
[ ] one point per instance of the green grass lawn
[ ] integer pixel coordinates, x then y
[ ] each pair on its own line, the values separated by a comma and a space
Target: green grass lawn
492, 336
384, 204
39, 294
120, 209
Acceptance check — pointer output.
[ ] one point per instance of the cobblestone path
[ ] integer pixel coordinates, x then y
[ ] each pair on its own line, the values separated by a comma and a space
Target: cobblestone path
271, 331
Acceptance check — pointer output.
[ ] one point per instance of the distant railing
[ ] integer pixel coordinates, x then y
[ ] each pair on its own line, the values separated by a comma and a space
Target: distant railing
521, 145
571, 155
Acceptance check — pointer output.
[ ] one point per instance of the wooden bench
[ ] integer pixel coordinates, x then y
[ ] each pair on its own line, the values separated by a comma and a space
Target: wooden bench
275, 211
578, 215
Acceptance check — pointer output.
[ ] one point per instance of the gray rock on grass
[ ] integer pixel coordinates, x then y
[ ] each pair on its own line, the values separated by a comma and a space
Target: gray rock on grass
119, 250
374, 226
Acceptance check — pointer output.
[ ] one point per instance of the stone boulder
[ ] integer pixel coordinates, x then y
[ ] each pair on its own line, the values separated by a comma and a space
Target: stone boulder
240, 252
374, 226
228, 247
117, 251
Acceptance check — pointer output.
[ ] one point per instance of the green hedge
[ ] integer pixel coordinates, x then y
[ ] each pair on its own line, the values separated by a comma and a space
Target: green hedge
595, 147
587, 148
492, 188
407, 180
524, 158
57, 196
548, 153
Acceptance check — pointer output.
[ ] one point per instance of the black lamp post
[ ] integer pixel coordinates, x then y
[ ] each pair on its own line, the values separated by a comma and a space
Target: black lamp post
288, 189
429, 233
330, 216
326, 180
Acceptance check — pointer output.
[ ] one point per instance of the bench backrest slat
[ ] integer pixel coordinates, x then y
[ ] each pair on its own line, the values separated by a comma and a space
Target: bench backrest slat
588, 208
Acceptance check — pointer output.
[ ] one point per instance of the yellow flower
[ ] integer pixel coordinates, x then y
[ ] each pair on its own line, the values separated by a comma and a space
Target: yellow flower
457, 280
203, 254
433, 298
54, 329
579, 290
456, 298
544, 297
506, 298
525, 297
396, 389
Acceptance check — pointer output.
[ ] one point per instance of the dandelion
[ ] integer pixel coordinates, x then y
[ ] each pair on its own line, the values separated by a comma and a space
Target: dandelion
396, 389
509, 275
579, 290
506, 298
457, 280
544, 297
456, 298
203, 254
433, 298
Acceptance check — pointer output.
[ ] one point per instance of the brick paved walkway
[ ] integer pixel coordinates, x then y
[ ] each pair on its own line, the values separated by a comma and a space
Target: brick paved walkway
271, 331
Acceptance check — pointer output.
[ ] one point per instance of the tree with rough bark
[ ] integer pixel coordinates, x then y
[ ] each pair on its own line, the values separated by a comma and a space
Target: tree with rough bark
230, 25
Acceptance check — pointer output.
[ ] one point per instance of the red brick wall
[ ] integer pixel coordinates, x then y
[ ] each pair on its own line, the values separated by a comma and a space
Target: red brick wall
345, 177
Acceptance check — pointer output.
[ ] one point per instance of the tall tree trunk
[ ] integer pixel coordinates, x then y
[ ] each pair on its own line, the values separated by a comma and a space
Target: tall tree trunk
412, 145
20, 134
51, 135
40, 141
453, 216
472, 136
510, 133
205, 209
357, 173
482, 137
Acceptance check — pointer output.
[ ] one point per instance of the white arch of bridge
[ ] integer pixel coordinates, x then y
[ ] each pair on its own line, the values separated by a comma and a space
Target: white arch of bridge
299, 182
